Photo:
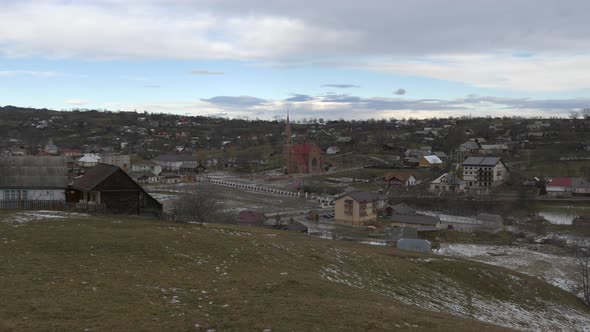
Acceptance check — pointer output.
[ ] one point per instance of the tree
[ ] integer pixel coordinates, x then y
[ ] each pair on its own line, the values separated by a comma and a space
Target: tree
199, 206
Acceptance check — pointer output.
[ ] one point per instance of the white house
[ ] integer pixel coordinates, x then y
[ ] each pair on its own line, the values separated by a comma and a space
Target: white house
89, 160
447, 182
147, 166
484, 172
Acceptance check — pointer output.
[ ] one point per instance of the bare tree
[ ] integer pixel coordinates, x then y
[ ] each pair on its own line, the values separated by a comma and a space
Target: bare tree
581, 248
584, 267
199, 206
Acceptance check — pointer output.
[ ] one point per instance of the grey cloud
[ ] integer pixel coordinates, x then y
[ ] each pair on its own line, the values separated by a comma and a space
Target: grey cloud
340, 86
240, 101
206, 72
299, 98
399, 92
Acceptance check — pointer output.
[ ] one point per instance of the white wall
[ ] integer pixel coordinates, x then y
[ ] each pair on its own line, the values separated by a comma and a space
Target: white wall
40, 194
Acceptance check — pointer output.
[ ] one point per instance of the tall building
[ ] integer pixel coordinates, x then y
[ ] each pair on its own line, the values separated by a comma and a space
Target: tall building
300, 158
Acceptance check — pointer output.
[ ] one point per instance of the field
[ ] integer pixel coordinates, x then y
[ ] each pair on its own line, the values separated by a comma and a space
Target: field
77, 272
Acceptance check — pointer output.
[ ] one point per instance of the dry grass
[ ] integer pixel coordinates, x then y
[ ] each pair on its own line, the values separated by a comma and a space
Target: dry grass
131, 274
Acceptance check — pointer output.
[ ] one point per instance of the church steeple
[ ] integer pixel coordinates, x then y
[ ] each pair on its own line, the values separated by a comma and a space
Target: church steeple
287, 139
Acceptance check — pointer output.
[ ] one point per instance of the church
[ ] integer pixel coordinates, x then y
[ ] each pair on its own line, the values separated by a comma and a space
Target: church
300, 158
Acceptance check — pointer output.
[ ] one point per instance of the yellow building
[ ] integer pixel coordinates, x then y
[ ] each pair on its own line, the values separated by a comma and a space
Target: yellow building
357, 208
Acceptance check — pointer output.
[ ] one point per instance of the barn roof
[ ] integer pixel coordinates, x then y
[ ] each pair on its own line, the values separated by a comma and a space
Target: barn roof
33, 172
94, 176
433, 159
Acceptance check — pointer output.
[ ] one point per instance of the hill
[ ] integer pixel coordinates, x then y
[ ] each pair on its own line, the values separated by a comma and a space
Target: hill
77, 272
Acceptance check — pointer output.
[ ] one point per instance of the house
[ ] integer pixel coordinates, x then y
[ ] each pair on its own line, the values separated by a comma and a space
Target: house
410, 162
89, 160
172, 162
147, 166
332, 150
251, 218
489, 221
580, 187
73, 153
121, 160
484, 172
493, 149
191, 168
469, 147
401, 208
417, 245
398, 179
108, 188
33, 182
430, 161
421, 222
144, 177
356, 208
447, 182
442, 156
51, 148
559, 186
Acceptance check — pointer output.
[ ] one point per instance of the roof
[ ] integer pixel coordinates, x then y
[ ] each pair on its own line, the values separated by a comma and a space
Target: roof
482, 161
94, 176
33, 172
494, 147
492, 218
580, 183
140, 174
146, 163
403, 208
432, 159
560, 182
416, 219
440, 154
400, 176
450, 178
362, 196
175, 158
470, 145
89, 158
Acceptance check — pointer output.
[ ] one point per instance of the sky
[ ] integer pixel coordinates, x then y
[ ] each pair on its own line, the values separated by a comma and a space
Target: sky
326, 59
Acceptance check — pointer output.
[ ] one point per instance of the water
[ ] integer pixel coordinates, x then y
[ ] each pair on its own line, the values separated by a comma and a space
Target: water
561, 214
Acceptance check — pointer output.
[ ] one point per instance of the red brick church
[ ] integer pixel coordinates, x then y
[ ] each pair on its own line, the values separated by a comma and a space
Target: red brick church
300, 158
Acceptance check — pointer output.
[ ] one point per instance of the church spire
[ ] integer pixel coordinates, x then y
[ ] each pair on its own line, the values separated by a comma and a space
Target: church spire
288, 140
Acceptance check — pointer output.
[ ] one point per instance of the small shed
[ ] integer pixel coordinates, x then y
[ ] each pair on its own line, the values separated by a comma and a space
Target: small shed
417, 245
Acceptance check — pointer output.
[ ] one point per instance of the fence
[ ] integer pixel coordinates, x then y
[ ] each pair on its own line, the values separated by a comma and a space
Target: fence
33, 204
51, 205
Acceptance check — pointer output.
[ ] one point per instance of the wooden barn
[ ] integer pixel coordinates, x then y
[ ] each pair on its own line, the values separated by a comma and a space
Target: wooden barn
110, 189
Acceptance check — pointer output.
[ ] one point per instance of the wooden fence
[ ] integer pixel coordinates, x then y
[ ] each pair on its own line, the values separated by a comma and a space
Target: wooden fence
33, 204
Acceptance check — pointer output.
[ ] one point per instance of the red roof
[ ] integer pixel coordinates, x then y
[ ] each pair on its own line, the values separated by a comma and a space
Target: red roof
560, 182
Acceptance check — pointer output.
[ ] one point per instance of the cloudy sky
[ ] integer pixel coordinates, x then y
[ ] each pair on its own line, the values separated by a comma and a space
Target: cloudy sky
323, 58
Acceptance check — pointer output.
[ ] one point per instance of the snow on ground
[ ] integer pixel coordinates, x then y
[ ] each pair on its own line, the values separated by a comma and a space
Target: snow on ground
40, 215
558, 270
537, 315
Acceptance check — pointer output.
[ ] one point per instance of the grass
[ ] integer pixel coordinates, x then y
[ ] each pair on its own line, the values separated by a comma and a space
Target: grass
575, 168
122, 274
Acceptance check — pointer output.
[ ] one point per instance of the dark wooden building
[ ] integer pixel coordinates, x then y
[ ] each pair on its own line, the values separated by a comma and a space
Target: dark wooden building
108, 188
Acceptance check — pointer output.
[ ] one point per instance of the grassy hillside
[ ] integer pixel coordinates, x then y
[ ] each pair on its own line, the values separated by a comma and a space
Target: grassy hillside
73, 272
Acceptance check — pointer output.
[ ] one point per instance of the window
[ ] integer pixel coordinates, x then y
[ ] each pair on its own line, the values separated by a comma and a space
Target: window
363, 209
15, 194
348, 207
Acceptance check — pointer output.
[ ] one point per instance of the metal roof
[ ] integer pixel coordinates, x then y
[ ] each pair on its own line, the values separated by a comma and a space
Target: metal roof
415, 219
33, 172
482, 161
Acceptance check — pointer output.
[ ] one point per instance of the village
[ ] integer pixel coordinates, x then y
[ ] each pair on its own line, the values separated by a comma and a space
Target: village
486, 199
